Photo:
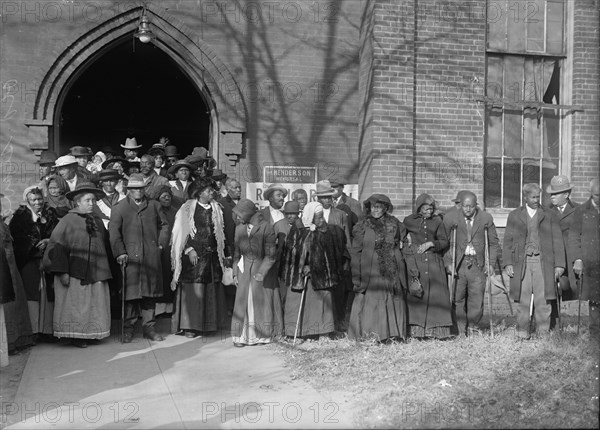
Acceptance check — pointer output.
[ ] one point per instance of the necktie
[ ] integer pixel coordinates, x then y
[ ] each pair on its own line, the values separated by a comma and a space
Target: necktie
469, 229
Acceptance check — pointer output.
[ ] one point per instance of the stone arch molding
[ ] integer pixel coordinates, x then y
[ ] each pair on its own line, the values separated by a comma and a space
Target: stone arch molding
209, 73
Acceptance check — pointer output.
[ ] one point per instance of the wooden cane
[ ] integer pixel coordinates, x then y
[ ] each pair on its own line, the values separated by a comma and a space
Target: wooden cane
579, 282
300, 310
489, 281
122, 303
453, 272
556, 287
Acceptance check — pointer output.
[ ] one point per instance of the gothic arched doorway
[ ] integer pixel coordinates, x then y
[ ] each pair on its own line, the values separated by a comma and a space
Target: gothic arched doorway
126, 92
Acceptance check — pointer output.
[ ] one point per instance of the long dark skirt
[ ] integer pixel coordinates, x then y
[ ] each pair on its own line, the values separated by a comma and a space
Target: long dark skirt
379, 312
430, 315
199, 307
316, 315
16, 313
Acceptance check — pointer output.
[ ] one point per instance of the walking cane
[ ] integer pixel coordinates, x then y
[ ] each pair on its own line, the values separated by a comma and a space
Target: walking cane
556, 288
488, 280
579, 282
122, 302
453, 273
300, 309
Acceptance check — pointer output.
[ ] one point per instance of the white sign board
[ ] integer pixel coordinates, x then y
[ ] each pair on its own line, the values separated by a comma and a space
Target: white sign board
255, 190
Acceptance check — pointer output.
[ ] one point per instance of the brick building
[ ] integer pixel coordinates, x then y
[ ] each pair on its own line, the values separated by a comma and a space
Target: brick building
401, 97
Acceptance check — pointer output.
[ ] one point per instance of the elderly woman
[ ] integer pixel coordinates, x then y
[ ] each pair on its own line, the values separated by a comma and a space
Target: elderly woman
378, 274
30, 228
164, 195
78, 256
16, 314
198, 251
429, 312
56, 198
313, 260
257, 308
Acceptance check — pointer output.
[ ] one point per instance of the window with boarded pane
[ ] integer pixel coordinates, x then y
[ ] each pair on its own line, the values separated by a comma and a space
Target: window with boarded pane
525, 46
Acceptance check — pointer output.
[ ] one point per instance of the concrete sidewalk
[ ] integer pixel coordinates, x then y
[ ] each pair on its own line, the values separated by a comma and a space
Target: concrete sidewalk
177, 383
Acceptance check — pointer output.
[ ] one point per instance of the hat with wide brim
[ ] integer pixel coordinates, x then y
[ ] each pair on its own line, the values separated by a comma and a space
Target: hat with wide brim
131, 143
85, 187
178, 165
80, 151
379, 198
245, 209
324, 189
154, 151
107, 149
108, 174
272, 188
136, 180
124, 163
199, 185
48, 157
218, 175
65, 160
338, 182
559, 184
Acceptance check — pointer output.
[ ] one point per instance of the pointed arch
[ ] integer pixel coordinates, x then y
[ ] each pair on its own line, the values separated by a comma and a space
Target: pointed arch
197, 59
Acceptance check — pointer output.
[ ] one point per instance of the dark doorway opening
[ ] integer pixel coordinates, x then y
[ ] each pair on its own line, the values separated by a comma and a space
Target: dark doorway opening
126, 93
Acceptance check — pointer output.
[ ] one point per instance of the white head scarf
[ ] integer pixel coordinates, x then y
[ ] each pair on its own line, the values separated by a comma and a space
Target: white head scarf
308, 214
27, 191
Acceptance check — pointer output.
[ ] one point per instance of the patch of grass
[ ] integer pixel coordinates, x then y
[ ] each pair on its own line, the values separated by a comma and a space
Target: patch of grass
474, 382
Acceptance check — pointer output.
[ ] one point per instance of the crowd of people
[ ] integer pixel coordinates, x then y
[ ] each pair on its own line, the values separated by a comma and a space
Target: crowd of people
173, 237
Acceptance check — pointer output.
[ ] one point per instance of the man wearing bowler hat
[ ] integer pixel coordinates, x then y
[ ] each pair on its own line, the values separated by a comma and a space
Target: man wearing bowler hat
219, 177
138, 231
83, 155
563, 208
108, 178
334, 216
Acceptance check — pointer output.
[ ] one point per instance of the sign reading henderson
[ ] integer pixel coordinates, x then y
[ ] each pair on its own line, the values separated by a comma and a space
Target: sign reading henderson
290, 174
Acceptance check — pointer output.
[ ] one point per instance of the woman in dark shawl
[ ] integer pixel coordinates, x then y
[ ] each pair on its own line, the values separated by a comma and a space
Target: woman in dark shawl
428, 299
164, 195
313, 262
78, 257
30, 227
57, 187
378, 274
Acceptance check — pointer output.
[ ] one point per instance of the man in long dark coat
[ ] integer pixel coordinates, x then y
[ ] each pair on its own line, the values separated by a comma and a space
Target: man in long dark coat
584, 246
138, 231
534, 258
564, 209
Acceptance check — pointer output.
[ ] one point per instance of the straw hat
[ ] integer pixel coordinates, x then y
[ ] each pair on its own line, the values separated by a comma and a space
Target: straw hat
65, 160
178, 165
108, 174
136, 180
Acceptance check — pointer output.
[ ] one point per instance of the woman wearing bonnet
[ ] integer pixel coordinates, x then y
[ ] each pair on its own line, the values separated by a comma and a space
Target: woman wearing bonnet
31, 227
78, 256
312, 265
57, 188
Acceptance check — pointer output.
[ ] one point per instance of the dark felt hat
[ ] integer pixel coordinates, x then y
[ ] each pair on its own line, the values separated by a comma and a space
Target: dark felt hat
200, 184
291, 207
218, 175
171, 151
85, 187
124, 163
48, 157
179, 164
107, 174
107, 149
245, 209
80, 151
